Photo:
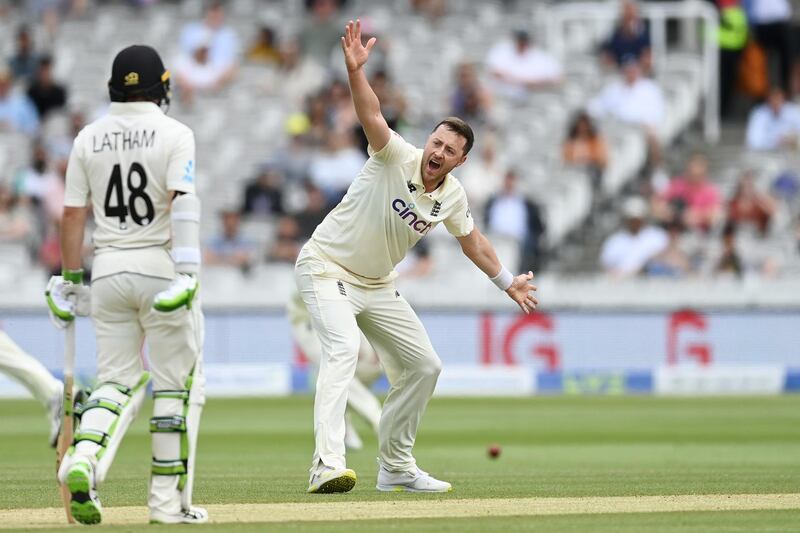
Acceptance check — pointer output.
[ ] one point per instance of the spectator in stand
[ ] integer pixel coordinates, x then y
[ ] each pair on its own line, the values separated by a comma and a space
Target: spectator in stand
292, 160
732, 38
322, 30
264, 195
230, 248
483, 176
196, 73
673, 261
518, 66
288, 242
751, 207
16, 219
470, 100
631, 37
393, 107
212, 33
298, 77
512, 214
691, 199
774, 124
316, 207
17, 112
729, 262
433, 10
45, 93
586, 148
24, 61
36, 181
264, 49
340, 109
772, 25
332, 169
635, 100
626, 252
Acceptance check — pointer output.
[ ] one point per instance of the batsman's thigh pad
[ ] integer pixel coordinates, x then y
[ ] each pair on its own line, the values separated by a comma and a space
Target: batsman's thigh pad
104, 419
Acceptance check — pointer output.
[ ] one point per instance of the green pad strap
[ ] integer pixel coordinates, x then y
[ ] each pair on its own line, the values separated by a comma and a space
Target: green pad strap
171, 394
98, 437
103, 403
168, 424
168, 468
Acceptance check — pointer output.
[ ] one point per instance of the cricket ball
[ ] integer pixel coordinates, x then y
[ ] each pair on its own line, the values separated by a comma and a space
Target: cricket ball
494, 451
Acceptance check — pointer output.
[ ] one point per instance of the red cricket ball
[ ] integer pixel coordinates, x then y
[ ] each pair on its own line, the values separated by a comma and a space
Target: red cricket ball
494, 451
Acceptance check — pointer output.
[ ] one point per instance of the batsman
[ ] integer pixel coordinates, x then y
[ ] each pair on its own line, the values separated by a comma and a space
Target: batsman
136, 168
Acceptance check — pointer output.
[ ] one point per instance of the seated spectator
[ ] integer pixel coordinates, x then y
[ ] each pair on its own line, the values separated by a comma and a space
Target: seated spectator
314, 211
264, 195
418, 263
673, 261
212, 33
17, 112
483, 176
729, 262
518, 66
230, 248
512, 214
585, 147
433, 10
298, 77
774, 124
634, 100
45, 93
470, 100
626, 252
335, 167
288, 241
293, 159
631, 37
322, 30
35, 181
264, 49
393, 107
751, 207
691, 199
23, 62
16, 220
196, 73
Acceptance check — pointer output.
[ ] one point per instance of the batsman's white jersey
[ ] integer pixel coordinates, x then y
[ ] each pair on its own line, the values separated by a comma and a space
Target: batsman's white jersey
127, 164
345, 276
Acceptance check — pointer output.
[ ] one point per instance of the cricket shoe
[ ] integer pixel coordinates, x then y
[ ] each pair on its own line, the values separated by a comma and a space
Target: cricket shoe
194, 515
85, 504
415, 480
332, 480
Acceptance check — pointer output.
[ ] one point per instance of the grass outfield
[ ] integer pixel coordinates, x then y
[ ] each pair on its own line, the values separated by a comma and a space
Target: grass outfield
257, 451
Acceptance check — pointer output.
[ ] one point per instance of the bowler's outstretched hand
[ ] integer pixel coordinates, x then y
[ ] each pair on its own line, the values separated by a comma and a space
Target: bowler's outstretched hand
355, 53
521, 291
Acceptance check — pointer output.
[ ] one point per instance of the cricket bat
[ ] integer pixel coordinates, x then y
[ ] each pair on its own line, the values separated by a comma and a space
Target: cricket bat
65, 438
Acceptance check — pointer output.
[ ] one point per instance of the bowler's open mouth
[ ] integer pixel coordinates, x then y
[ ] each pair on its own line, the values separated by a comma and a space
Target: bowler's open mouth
433, 165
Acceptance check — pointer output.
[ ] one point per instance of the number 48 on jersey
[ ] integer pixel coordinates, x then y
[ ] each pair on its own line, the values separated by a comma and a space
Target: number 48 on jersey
139, 205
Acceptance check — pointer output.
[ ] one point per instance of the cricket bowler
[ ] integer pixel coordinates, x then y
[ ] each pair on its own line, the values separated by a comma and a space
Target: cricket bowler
136, 167
368, 369
345, 274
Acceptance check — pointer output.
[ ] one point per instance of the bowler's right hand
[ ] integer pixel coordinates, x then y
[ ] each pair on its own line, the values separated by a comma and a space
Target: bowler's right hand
355, 53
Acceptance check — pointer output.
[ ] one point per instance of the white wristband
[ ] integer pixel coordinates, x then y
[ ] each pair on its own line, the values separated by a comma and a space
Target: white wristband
504, 279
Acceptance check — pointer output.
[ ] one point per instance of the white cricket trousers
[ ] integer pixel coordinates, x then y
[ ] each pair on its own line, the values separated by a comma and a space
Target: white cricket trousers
338, 310
368, 369
27, 370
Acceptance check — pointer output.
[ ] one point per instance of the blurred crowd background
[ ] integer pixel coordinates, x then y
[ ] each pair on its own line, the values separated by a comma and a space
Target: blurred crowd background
592, 156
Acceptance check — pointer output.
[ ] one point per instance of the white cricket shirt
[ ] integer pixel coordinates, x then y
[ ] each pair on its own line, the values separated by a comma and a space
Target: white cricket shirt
127, 164
386, 211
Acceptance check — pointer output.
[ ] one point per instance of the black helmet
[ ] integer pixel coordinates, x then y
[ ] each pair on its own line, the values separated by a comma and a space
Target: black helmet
138, 72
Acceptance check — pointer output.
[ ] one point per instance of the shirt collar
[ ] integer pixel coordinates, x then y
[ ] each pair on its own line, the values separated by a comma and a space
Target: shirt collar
133, 108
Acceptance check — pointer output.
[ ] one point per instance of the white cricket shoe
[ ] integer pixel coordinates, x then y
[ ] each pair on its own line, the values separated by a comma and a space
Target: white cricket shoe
80, 480
194, 515
332, 480
54, 414
414, 481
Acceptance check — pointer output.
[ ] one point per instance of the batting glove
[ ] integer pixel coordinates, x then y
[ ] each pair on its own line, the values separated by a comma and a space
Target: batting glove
67, 297
180, 293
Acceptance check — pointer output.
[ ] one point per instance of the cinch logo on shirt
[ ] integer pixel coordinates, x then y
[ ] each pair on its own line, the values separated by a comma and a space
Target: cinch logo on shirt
405, 212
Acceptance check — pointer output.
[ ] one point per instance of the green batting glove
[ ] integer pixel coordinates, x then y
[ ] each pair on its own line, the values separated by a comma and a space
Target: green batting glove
179, 294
